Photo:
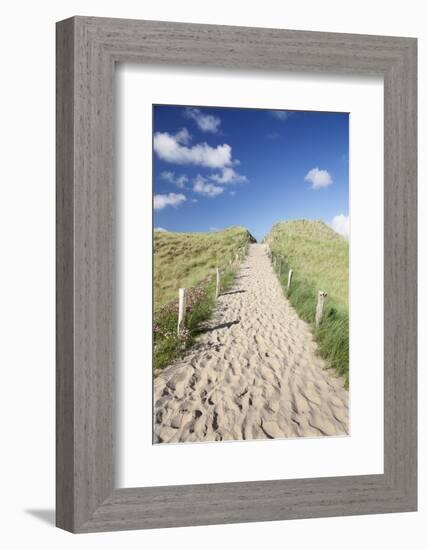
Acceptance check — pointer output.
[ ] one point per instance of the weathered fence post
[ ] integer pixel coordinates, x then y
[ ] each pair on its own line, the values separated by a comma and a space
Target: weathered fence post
217, 287
181, 309
290, 277
320, 306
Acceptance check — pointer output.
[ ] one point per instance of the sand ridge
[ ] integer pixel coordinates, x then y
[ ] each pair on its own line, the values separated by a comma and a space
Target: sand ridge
254, 373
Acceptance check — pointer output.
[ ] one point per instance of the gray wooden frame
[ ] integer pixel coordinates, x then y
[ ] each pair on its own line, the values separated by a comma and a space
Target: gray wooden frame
87, 50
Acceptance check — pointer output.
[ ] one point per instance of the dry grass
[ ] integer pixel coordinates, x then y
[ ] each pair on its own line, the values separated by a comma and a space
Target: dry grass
319, 258
189, 259
317, 253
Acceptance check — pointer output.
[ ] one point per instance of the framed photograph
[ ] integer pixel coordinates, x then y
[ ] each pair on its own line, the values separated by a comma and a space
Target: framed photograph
236, 274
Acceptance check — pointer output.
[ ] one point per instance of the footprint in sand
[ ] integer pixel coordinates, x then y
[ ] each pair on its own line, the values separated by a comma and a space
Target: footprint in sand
262, 378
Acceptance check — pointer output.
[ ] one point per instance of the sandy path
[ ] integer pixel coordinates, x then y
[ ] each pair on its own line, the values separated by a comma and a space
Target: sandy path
253, 374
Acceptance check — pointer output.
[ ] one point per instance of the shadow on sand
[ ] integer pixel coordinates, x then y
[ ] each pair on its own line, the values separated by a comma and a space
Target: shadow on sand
222, 325
232, 292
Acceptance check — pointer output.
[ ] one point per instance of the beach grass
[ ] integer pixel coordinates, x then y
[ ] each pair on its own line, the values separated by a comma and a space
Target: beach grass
189, 260
319, 258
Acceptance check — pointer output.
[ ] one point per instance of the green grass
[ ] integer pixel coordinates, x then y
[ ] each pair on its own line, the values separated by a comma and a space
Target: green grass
188, 260
319, 259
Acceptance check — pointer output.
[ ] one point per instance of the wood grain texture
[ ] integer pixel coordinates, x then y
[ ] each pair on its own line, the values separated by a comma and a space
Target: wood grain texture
64, 276
87, 49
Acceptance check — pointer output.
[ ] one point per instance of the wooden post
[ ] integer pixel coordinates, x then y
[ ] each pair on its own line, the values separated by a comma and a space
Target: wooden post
320, 306
290, 277
217, 287
181, 309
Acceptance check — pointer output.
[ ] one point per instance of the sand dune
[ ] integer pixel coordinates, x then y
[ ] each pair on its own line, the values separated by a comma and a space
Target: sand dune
254, 374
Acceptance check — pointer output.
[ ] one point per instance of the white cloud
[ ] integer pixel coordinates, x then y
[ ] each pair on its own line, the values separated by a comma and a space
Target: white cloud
280, 115
172, 199
228, 175
202, 187
169, 149
206, 123
179, 181
168, 176
318, 178
161, 229
183, 136
340, 224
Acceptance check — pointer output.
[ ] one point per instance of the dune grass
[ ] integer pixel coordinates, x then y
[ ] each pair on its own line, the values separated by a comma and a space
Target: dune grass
188, 260
319, 259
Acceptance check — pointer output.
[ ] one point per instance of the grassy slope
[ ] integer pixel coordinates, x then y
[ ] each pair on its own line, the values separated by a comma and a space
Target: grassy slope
319, 259
188, 260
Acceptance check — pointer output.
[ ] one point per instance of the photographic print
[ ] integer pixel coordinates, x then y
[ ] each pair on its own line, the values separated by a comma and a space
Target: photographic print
250, 274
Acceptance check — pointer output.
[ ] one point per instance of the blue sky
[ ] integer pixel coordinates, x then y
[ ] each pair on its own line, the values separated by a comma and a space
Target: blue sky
217, 167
